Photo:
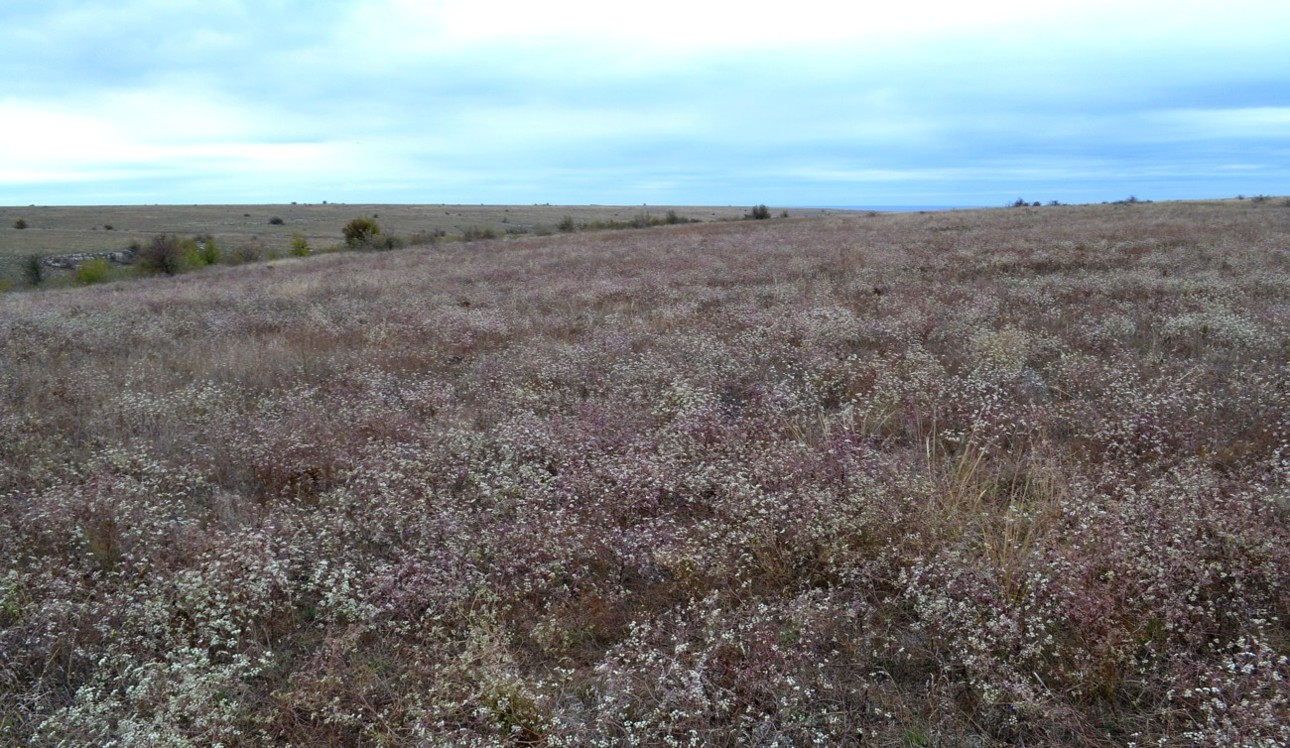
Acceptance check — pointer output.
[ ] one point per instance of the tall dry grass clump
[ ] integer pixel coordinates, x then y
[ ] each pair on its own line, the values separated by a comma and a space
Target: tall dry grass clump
988, 478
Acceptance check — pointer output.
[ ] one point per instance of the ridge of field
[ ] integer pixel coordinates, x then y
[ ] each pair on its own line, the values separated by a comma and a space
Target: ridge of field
69, 229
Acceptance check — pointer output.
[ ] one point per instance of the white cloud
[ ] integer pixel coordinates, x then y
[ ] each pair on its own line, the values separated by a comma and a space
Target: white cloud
473, 98
1215, 124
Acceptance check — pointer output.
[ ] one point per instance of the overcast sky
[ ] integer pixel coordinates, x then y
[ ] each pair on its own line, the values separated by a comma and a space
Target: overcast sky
664, 102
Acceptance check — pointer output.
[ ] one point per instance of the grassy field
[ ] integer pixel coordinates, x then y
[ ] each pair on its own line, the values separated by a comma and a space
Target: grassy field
54, 230
999, 477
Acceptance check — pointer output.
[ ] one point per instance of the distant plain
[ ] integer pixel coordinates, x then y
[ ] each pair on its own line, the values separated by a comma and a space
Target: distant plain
67, 229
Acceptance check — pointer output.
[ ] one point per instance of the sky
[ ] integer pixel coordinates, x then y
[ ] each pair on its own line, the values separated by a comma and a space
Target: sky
671, 102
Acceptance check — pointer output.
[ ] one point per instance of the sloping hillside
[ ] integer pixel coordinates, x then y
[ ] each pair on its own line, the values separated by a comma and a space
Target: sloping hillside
1003, 477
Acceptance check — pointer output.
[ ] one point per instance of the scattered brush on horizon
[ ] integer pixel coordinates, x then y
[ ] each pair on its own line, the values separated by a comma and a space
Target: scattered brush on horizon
170, 254
1008, 477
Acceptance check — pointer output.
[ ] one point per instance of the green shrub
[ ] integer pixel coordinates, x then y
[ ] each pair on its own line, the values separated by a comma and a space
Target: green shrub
299, 245
760, 212
193, 254
567, 225
361, 231
33, 270
208, 250
276, 221
21, 223
93, 271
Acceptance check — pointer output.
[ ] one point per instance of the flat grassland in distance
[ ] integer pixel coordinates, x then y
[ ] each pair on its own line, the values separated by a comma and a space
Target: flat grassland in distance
1003, 477
55, 230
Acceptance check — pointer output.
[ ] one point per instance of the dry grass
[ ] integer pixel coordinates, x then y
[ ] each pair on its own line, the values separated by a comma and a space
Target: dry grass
53, 230
1009, 477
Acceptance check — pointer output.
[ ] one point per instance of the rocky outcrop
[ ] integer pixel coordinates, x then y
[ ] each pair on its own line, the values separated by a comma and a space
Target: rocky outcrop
68, 262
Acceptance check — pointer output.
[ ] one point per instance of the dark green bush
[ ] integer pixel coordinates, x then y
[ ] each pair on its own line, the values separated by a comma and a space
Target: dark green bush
276, 221
361, 231
760, 212
20, 223
33, 270
299, 245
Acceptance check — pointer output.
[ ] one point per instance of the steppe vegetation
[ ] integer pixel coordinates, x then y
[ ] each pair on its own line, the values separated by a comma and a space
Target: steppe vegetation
1005, 477
66, 237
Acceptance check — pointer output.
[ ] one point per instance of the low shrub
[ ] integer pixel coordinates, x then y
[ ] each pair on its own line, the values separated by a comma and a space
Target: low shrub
20, 223
208, 250
163, 254
276, 221
299, 245
477, 233
93, 271
246, 252
567, 225
360, 231
643, 220
759, 213
33, 270
426, 237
